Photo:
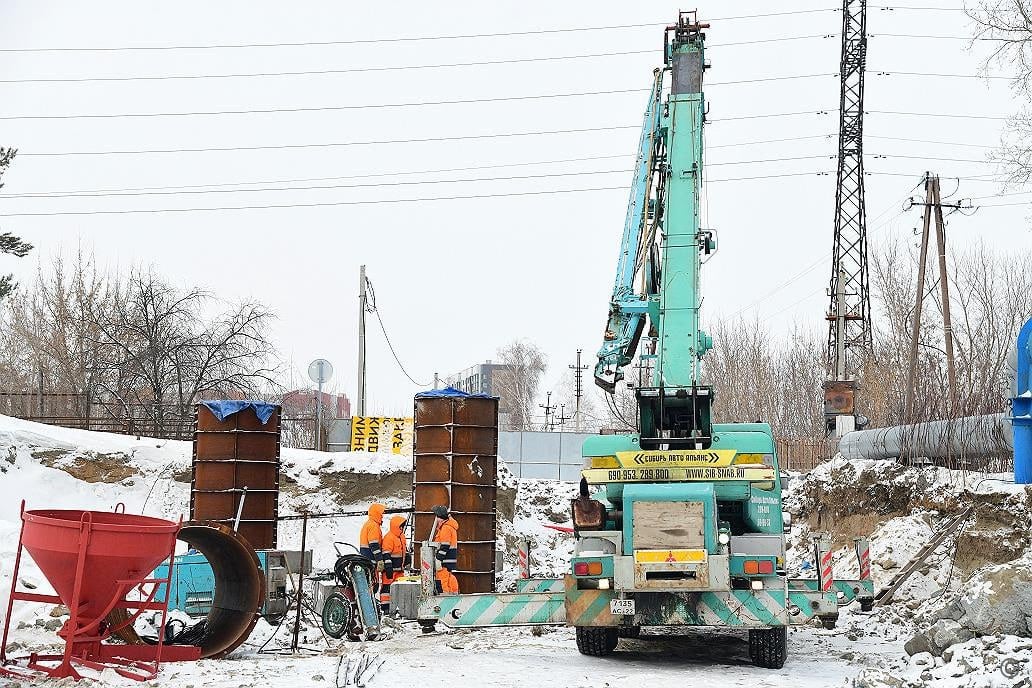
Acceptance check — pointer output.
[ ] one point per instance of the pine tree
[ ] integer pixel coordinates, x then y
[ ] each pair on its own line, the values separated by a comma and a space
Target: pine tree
9, 243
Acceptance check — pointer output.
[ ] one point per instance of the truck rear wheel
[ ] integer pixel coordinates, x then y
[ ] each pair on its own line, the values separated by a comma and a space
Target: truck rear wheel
597, 642
768, 647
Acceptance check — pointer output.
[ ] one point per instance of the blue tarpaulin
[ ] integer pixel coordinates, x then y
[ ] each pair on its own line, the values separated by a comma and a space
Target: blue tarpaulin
223, 409
451, 392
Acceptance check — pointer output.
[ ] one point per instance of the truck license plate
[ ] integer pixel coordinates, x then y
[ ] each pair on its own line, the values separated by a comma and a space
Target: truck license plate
625, 607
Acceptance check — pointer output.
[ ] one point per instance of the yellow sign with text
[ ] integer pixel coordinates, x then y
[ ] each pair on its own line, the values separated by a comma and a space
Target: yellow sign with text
672, 458
597, 476
381, 434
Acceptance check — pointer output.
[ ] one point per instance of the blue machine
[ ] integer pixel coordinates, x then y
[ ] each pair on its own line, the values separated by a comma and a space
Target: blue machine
193, 583
1021, 407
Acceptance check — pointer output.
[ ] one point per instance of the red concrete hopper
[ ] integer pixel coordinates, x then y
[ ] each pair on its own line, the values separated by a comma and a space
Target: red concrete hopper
121, 547
93, 559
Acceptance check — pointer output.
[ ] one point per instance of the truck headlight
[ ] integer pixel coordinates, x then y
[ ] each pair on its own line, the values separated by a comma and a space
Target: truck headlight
723, 538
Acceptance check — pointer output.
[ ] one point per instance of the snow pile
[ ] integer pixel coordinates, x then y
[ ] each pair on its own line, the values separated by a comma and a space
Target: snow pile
989, 661
539, 504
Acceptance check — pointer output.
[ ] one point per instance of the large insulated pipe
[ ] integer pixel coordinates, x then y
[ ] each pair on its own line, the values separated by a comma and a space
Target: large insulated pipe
970, 437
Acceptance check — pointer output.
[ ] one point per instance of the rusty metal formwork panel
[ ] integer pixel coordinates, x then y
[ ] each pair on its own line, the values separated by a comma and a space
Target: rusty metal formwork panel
455, 462
228, 456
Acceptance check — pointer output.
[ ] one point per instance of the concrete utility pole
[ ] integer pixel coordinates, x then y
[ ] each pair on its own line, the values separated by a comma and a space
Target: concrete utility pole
362, 303
932, 208
548, 411
578, 389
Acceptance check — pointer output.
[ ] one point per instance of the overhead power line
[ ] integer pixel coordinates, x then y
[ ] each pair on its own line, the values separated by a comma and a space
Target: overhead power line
135, 211
329, 108
332, 144
294, 180
933, 36
772, 114
196, 189
934, 114
118, 193
132, 211
397, 39
374, 106
432, 139
389, 68
930, 141
395, 354
916, 9
884, 72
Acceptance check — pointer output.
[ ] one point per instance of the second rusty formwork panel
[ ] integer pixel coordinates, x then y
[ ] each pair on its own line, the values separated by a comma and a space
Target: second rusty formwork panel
228, 456
455, 457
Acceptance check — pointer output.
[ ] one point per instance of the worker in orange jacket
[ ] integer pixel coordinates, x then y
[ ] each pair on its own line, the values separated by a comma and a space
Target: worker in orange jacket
370, 538
394, 548
447, 539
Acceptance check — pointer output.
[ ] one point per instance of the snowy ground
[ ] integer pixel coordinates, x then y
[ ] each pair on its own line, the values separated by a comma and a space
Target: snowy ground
56, 468
541, 657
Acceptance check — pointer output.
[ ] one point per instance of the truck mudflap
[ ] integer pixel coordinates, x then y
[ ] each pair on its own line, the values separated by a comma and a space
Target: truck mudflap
486, 610
735, 608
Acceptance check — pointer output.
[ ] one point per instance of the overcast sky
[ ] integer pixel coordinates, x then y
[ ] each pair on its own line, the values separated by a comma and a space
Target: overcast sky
455, 279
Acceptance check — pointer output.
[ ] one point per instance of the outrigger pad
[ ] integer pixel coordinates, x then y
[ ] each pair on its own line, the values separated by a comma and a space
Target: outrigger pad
588, 513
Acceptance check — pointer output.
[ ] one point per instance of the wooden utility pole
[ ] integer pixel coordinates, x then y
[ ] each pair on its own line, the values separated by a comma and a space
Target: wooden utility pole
944, 282
932, 208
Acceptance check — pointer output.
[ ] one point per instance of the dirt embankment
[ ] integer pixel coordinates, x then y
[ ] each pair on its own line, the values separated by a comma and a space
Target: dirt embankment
91, 467
850, 499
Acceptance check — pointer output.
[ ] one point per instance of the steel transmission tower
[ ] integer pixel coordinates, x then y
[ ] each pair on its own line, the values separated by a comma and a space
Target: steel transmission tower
849, 314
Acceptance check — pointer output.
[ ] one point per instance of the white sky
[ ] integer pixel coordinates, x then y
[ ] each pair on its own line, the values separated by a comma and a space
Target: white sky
456, 279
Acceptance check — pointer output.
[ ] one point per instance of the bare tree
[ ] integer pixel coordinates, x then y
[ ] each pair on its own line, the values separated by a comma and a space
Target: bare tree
991, 297
759, 378
1007, 26
134, 350
55, 323
518, 382
159, 353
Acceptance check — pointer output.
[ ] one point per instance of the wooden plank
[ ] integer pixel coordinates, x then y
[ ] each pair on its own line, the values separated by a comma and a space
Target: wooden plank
666, 525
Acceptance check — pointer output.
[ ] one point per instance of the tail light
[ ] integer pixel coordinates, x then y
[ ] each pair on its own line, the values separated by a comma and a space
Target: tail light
587, 568
752, 567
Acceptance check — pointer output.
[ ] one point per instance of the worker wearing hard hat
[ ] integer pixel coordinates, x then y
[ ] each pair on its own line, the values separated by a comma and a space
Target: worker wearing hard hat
394, 548
447, 540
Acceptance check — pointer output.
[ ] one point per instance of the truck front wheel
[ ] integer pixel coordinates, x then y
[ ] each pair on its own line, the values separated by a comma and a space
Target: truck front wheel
597, 642
768, 647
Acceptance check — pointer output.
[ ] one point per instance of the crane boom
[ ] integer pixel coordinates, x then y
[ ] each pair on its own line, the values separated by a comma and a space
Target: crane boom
627, 309
662, 238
